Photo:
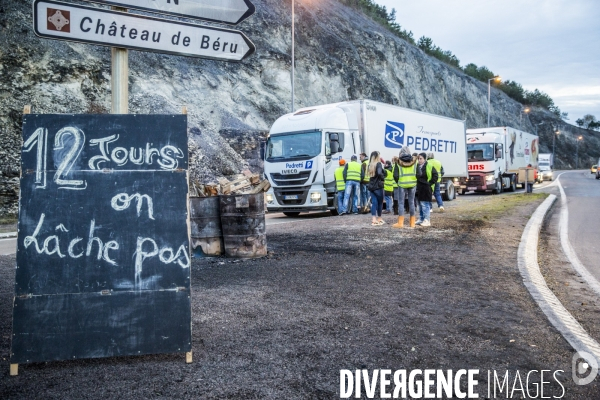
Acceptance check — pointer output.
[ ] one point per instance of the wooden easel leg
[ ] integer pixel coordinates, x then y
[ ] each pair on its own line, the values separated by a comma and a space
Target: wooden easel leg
14, 369
188, 357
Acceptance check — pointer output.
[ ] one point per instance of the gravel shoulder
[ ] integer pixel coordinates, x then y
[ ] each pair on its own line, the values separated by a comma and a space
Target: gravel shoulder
335, 293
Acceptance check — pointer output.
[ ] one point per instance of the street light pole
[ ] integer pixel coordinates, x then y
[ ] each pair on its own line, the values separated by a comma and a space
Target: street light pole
555, 134
293, 63
577, 153
496, 78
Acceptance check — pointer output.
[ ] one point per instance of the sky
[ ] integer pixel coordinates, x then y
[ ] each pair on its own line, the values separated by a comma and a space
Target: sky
551, 45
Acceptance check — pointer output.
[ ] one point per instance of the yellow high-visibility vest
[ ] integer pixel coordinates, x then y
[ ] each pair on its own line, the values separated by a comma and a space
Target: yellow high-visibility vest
388, 183
353, 172
408, 177
339, 179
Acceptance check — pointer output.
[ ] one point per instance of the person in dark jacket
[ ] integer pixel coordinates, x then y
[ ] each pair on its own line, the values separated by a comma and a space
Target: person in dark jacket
375, 186
427, 176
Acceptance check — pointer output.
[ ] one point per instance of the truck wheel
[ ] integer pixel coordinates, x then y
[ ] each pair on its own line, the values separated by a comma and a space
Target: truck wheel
498, 188
450, 192
291, 213
513, 185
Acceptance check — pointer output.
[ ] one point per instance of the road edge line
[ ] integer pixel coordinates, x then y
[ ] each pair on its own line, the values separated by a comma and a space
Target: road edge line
535, 283
563, 230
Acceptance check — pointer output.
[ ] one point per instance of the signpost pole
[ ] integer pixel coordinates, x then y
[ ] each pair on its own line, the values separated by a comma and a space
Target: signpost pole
119, 77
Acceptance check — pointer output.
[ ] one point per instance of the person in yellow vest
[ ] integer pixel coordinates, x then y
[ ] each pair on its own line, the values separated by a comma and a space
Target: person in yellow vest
340, 186
437, 164
395, 174
364, 180
352, 177
388, 187
427, 176
407, 186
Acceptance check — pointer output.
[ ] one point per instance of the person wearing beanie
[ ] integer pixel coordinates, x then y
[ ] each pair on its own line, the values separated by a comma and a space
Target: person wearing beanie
406, 177
352, 174
388, 187
340, 186
436, 190
427, 176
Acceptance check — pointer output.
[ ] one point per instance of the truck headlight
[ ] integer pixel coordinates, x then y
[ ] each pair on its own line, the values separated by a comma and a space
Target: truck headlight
315, 197
490, 177
269, 198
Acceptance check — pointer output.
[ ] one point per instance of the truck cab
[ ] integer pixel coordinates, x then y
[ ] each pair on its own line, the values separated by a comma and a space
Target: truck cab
486, 163
301, 155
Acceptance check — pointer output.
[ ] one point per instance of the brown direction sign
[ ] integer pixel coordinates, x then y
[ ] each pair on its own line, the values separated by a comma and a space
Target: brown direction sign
63, 21
225, 11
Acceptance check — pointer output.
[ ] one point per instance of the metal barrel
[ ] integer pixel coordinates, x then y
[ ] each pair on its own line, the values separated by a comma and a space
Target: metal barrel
243, 222
205, 221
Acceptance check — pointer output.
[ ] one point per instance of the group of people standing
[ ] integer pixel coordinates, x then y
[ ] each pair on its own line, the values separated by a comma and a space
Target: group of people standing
410, 176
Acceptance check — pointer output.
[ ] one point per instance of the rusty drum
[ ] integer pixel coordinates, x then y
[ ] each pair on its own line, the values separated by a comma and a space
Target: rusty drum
243, 223
206, 232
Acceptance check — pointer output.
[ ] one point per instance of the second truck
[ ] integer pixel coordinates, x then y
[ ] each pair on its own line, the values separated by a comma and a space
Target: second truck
495, 156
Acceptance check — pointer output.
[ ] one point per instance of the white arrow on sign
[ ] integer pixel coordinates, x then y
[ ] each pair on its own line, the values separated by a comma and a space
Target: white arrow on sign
226, 11
63, 21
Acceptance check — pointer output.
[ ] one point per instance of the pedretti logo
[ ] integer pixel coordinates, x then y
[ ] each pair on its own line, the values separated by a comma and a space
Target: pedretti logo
394, 135
309, 165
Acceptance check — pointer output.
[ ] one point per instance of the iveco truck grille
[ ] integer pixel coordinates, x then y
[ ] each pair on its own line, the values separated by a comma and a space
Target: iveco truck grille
291, 196
291, 179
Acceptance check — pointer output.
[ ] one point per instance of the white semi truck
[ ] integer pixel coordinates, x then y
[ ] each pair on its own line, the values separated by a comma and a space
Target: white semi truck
304, 148
495, 156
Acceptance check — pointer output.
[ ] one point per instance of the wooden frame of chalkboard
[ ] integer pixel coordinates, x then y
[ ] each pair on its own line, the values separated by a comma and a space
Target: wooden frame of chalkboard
103, 263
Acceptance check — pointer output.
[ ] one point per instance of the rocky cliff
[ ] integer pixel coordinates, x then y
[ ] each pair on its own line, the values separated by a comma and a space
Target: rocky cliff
340, 55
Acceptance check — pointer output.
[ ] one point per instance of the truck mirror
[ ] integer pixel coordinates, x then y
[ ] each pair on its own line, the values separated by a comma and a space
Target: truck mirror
334, 136
262, 150
335, 146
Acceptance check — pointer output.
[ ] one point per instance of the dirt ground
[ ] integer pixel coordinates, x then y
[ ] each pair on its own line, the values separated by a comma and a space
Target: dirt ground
336, 293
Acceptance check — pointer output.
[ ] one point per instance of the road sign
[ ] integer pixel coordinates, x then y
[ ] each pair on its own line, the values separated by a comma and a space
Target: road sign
226, 11
62, 21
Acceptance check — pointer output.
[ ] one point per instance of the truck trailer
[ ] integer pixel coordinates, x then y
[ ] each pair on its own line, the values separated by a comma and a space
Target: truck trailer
304, 148
495, 156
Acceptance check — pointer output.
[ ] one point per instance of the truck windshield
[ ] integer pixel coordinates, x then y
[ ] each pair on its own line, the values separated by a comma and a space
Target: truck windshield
480, 152
544, 166
294, 146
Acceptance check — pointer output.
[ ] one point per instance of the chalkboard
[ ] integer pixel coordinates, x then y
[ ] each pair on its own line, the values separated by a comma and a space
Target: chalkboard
103, 266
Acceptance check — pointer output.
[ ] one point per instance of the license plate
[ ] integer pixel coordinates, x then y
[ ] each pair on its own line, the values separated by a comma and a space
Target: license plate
471, 188
291, 197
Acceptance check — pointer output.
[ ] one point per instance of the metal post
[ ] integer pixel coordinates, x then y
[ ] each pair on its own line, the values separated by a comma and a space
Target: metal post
119, 77
577, 155
553, 144
489, 100
293, 62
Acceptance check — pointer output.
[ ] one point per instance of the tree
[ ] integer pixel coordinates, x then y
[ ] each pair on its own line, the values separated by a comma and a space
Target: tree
589, 121
514, 90
425, 44
579, 122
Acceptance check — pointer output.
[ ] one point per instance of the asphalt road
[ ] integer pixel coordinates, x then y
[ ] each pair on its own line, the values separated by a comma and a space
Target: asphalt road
8, 246
583, 201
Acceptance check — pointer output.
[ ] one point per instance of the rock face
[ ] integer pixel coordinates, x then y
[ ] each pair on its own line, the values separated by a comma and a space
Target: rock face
340, 55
